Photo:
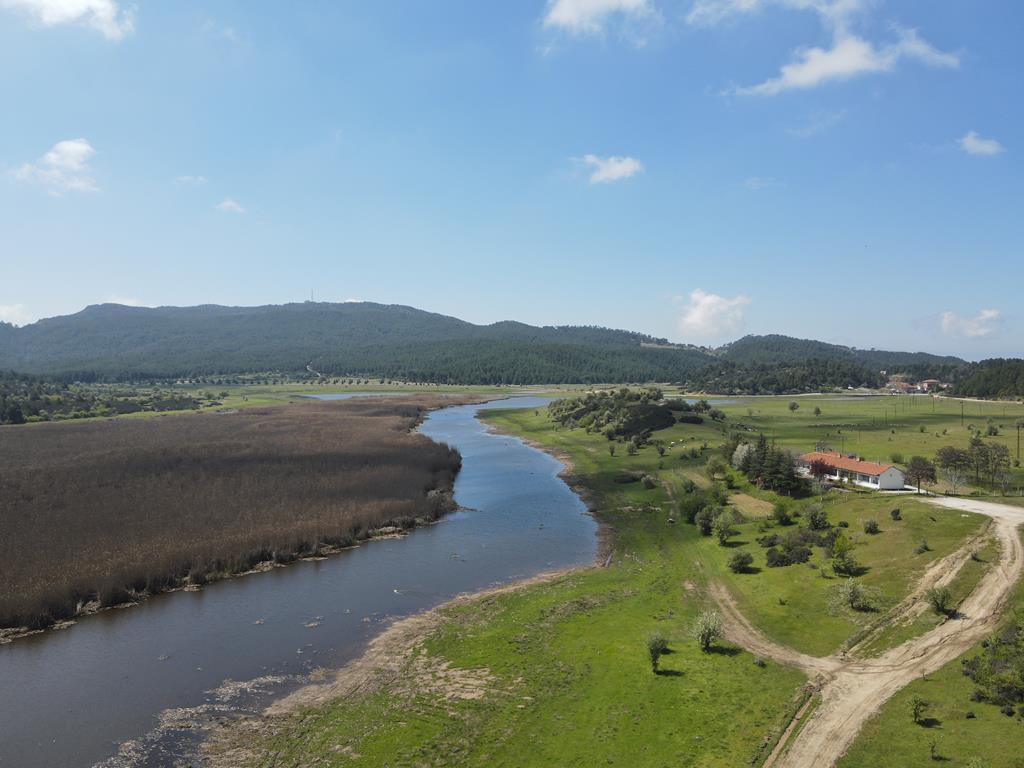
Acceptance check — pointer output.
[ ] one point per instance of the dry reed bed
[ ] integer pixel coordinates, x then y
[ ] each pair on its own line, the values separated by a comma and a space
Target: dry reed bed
100, 513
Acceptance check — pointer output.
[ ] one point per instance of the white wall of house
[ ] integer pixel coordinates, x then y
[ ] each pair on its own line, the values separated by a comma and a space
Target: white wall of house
891, 480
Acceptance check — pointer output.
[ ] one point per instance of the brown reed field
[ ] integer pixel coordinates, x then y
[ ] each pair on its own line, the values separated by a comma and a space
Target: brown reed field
100, 513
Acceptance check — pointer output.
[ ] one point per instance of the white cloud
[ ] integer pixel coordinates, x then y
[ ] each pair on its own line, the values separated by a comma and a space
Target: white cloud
227, 205
708, 315
985, 323
104, 16
607, 169
849, 57
754, 183
190, 180
973, 144
15, 314
65, 168
589, 17
818, 123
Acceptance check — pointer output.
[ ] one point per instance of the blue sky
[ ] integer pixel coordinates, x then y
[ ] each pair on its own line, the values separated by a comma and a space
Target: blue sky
837, 169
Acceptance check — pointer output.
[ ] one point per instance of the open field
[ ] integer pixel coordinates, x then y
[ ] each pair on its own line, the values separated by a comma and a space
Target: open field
556, 673
99, 512
876, 428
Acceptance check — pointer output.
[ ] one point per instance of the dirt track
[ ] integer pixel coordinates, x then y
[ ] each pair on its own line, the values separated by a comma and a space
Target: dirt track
852, 690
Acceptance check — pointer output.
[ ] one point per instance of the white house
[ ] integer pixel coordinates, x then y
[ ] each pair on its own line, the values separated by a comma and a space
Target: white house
869, 474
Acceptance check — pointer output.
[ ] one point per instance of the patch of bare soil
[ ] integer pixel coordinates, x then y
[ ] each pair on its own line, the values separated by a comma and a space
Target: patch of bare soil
852, 690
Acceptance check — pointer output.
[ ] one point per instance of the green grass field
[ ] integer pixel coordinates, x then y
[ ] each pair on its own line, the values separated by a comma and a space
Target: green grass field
990, 739
568, 679
876, 428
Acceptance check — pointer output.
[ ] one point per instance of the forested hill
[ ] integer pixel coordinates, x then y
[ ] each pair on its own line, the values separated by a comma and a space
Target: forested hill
993, 378
775, 349
115, 342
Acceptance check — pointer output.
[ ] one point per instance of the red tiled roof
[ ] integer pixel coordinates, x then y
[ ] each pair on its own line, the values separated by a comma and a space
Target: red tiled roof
838, 461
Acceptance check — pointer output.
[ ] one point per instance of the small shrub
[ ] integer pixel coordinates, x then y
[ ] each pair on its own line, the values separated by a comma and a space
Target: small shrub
918, 706
871, 527
896, 514
707, 629
656, 648
1007, 709
740, 561
780, 513
817, 518
759, 662
922, 547
853, 595
843, 524
940, 599
896, 457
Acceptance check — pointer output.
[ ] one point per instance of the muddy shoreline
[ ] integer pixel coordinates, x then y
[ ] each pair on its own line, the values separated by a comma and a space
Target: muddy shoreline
228, 743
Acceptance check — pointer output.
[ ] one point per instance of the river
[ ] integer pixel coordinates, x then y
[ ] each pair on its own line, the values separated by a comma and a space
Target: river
126, 687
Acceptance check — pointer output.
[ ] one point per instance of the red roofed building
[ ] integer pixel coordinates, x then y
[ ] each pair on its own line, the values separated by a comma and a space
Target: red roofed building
881, 477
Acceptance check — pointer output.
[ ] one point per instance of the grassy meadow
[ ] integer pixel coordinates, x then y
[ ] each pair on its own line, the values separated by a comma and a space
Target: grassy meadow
879, 427
567, 678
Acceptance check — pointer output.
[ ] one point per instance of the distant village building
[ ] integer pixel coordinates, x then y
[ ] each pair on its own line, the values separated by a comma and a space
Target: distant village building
929, 385
869, 474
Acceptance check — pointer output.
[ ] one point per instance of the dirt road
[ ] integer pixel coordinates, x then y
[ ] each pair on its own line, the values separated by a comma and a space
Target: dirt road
852, 690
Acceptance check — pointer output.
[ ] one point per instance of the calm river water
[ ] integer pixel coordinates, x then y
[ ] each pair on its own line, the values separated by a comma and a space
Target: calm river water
117, 687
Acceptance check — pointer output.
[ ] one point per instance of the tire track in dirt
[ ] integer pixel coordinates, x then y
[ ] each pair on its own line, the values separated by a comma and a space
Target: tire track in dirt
853, 690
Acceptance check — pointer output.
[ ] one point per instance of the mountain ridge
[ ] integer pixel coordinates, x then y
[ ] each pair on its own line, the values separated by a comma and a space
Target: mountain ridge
395, 341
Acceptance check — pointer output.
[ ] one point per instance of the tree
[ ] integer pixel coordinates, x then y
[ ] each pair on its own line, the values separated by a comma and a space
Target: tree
997, 461
977, 451
715, 468
740, 561
820, 468
723, 529
954, 463
1019, 425
611, 449
705, 520
793, 406
707, 629
657, 646
919, 471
